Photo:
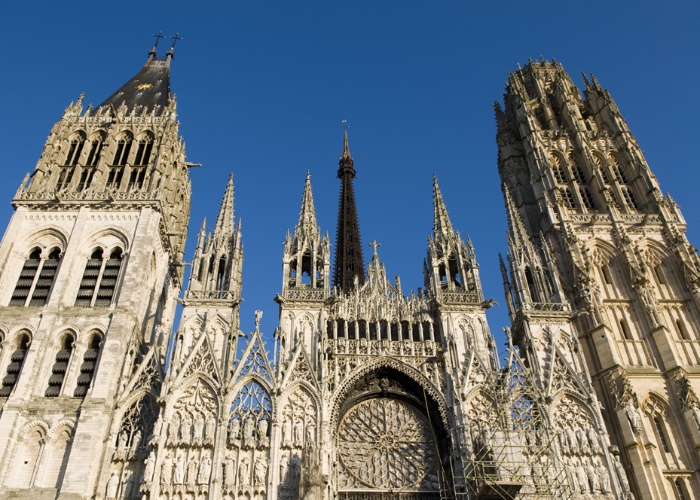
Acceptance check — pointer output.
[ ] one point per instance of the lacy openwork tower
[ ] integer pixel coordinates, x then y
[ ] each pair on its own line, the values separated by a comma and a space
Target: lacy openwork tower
600, 267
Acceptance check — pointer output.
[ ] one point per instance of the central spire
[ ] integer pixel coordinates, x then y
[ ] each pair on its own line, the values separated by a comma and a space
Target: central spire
348, 249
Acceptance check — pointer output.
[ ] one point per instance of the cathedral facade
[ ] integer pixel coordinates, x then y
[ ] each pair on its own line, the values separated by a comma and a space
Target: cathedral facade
363, 391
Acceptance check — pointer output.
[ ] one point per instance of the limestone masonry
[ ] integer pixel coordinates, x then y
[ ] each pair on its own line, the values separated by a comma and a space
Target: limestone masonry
367, 392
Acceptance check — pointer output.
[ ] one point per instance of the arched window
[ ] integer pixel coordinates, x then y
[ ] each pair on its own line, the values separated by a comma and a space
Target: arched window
36, 278
65, 175
99, 280
95, 151
121, 156
569, 199
87, 368
587, 197
661, 435
630, 198
58, 371
74, 151
15, 367
143, 153
680, 489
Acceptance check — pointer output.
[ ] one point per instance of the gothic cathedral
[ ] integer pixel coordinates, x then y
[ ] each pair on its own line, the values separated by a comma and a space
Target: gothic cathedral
367, 392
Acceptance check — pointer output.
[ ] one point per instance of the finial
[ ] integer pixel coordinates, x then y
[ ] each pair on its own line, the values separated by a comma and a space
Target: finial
171, 52
375, 245
346, 146
154, 51
258, 317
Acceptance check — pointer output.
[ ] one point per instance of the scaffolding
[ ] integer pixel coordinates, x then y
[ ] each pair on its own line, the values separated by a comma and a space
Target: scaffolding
516, 456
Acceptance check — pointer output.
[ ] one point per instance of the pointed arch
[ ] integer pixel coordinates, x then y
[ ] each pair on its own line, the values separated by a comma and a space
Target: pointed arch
250, 414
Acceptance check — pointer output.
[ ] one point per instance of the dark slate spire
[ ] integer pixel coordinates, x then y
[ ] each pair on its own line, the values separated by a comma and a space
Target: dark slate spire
149, 90
348, 249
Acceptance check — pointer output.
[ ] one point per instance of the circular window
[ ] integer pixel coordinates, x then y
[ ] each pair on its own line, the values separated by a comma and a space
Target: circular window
386, 443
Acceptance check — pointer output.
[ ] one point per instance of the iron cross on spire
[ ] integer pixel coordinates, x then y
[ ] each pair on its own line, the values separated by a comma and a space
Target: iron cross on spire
154, 50
175, 38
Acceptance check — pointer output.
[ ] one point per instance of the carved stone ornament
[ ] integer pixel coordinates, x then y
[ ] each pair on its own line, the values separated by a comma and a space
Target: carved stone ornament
386, 444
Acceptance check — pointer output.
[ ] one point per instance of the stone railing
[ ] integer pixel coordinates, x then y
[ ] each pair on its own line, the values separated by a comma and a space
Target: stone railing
460, 297
210, 295
304, 294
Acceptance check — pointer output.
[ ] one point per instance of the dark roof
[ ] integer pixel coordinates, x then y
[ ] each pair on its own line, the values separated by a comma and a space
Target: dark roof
149, 88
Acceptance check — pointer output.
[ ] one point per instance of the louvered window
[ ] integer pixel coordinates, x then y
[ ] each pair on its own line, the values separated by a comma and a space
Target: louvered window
36, 279
87, 368
630, 198
569, 198
95, 152
15, 367
99, 280
587, 197
143, 153
76, 147
114, 178
64, 177
121, 156
86, 176
136, 177
58, 371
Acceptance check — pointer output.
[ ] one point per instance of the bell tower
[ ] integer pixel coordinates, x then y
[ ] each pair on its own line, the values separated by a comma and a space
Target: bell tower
92, 264
590, 231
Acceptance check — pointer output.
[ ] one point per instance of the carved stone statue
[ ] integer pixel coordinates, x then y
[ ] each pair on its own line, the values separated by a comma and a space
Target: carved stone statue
299, 433
128, 482
179, 472
243, 476
166, 470
135, 441
174, 428
150, 466
283, 469
123, 440
262, 432
593, 441
582, 478
592, 478
204, 470
695, 408
287, 433
186, 428
210, 429
260, 472
113, 485
621, 474
310, 433
634, 417
248, 429
198, 428
192, 472
603, 478
234, 431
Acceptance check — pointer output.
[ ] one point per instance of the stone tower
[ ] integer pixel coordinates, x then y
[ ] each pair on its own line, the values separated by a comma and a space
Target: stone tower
603, 282
91, 266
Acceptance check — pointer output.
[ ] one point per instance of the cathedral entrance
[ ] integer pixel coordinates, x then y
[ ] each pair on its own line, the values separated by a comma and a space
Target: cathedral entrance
386, 449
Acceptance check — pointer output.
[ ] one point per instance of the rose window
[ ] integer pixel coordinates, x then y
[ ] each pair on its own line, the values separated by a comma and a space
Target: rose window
386, 443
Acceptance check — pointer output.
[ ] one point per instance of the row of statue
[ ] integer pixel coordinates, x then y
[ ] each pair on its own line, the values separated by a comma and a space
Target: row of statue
128, 444
588, 476
245, 476
180, 471
191, 429
248, 434
121, 485
577, 441
293, 435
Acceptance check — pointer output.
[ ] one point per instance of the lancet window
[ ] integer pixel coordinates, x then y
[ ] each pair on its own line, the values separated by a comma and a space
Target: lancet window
36, 278
143, 153
99, 282
88, 366
121, 156
251, 414
95, 151
74, 151
14, 369
60, 366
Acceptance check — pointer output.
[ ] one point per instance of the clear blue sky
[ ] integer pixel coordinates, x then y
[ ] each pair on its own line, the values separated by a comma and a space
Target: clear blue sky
263, 86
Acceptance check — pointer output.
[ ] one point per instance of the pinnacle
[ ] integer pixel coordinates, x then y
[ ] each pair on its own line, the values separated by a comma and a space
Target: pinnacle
441, 225
307, 215
224, 221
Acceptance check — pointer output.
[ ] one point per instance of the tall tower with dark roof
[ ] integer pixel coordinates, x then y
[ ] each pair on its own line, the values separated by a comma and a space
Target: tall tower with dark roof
348, 266
92, 264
